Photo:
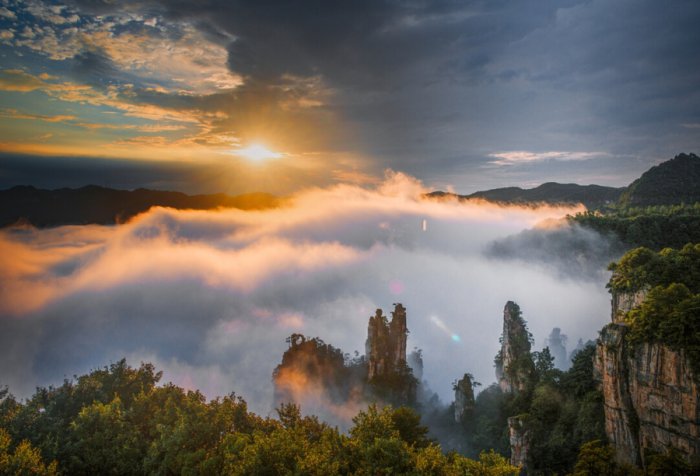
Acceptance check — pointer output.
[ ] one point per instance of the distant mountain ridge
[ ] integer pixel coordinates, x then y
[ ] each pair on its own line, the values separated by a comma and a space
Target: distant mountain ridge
106, 206
672, 182
592, 196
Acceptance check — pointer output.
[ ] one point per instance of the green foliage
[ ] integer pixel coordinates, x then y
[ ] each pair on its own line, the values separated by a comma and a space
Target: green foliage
521, 368
22, 460
396, 388
488, 428
560, 411
117, 421
490, 463
598, 459
642, 268
579, 379
672, 182
670, 312
669, 463
654, 227
45, 420
660, 209
318, 360
669, 315
407, 423
544, 366
102, 441
326, 367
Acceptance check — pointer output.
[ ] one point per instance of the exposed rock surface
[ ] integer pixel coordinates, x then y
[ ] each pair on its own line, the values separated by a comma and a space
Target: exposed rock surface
320, 377
513, 362
385, 347
464, 397
651, 396
622, 303
519, 441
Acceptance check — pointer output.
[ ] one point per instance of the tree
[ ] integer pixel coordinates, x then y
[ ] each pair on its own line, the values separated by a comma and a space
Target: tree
103, 441
597, 459
25, 460
669, 463
544, 366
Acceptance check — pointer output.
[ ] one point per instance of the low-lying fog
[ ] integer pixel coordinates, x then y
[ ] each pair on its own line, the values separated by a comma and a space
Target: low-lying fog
210, 296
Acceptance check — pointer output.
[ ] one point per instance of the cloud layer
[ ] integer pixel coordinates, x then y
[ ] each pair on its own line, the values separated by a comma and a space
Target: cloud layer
210, 296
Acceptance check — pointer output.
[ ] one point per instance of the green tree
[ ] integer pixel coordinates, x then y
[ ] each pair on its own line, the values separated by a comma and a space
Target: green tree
670, 463
24, 460
489, 464
598, 459
103, 441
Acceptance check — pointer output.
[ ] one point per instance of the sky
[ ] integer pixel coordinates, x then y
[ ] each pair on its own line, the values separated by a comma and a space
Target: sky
210, 296
464, 95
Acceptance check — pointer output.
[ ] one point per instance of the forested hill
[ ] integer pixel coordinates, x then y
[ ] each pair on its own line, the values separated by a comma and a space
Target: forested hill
107, 206
592, 196
673, 182
658, 210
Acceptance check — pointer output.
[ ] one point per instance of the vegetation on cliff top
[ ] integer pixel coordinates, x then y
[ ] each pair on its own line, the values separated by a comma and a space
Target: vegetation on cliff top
520, 340
654, 227
660, 209
670, 312
642, 268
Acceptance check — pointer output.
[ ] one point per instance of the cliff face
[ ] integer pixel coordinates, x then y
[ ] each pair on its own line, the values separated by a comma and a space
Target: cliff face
519, 441
464, 397
385, 347
651, 397
622, 303
513, 362
621, 420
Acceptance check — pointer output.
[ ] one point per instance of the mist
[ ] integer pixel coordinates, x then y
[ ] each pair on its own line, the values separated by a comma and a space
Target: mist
210, 296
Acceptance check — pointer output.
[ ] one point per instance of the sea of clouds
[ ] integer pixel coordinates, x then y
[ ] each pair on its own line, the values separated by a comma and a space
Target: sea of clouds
210, 296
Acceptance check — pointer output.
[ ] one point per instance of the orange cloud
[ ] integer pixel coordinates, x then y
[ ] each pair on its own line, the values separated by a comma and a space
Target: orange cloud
20, 81
256, 246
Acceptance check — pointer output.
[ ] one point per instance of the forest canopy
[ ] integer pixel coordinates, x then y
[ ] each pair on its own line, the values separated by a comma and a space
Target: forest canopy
120, 420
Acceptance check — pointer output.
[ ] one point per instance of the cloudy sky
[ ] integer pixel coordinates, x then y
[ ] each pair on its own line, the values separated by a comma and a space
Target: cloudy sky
469, 95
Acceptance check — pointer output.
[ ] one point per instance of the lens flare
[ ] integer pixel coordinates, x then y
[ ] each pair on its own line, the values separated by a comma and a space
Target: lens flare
440, 324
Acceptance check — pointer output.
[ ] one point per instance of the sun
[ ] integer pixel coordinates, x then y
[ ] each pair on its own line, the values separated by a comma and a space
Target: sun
257, 153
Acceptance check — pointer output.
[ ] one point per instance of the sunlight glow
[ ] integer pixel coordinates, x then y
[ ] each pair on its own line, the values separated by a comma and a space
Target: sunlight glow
257, 152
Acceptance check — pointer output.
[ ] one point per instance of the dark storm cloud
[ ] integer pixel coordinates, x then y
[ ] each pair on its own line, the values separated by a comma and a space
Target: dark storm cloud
435, 87
430, 83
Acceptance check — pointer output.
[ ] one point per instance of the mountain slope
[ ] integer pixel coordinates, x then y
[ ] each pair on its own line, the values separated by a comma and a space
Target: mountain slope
672, 182
592, 196
106, 206
551, 192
